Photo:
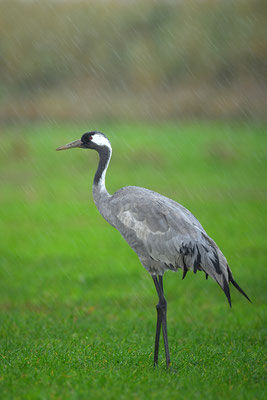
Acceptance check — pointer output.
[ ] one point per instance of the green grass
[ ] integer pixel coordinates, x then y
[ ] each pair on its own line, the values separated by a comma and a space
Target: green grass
77, 309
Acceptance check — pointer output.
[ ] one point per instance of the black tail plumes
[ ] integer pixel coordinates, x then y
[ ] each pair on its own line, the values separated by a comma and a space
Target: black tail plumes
231, 279
226, 290
239, 288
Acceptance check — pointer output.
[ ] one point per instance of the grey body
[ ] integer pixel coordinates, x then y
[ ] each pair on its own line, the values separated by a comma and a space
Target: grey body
163, 233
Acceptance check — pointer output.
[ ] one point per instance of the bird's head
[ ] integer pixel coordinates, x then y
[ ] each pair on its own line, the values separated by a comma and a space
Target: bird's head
89, 140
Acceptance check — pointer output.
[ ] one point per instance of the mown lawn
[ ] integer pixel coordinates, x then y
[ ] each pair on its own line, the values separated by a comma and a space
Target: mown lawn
77, 310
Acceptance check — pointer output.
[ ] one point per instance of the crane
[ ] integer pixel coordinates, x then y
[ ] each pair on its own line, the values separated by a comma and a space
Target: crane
163, 233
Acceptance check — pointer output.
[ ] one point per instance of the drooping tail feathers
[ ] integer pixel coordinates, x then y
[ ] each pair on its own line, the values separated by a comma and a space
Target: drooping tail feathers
223, 274
231, 279
207, 257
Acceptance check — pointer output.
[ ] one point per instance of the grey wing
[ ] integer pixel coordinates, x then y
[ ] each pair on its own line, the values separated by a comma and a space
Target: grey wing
165, 235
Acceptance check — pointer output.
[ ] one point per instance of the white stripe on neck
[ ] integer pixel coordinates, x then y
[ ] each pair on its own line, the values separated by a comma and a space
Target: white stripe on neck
100, 140
101, 184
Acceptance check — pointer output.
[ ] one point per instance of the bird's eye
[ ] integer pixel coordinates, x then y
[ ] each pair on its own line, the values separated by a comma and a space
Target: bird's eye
90, 137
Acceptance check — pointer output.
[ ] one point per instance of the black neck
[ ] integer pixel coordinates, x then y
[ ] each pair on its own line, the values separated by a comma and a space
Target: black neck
104, 156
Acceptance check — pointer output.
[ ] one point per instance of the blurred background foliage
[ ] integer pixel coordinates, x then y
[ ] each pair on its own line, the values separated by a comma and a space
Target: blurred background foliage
133, 59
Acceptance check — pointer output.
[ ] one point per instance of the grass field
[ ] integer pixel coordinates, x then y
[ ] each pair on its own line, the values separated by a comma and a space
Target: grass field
77, 309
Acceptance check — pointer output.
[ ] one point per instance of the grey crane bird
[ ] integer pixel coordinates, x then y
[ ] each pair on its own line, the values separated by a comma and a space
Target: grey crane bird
164, 234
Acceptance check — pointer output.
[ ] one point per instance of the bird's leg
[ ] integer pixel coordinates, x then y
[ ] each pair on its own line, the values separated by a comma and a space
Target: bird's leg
158, 328
161, 283
163, 304
161, 320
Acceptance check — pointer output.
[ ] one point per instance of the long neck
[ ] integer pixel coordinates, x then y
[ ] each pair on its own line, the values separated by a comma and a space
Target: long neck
100, 192
100, 175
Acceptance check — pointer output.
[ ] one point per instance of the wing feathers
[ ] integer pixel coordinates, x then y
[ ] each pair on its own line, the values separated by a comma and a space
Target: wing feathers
165, 235
209, 259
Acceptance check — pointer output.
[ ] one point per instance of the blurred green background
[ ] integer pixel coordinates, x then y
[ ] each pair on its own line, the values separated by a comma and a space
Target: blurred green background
180, 90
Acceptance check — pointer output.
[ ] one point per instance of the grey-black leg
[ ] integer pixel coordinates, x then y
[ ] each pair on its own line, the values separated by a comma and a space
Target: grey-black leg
164, 323
161, 283
161, 320
165, 335
158, 327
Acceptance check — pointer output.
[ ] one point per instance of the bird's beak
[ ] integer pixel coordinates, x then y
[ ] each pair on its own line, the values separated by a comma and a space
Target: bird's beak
76, 143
